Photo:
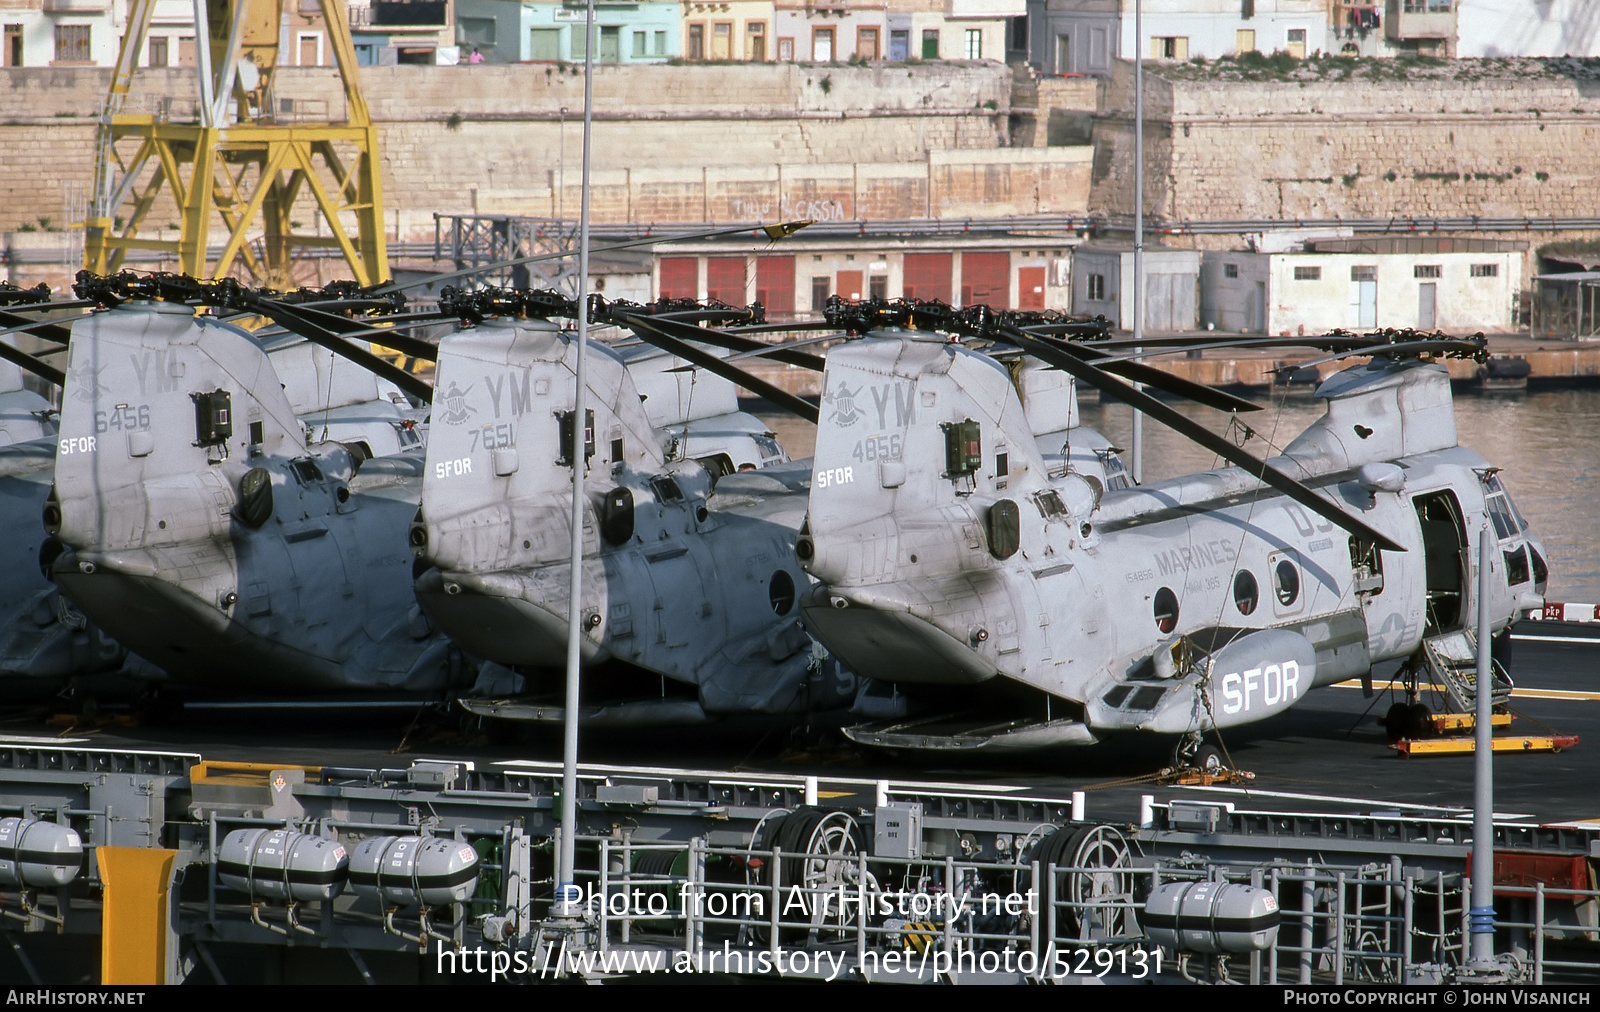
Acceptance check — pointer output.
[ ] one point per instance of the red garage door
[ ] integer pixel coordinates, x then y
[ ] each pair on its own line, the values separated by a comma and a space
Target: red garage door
927, 276
986, 280
680, 278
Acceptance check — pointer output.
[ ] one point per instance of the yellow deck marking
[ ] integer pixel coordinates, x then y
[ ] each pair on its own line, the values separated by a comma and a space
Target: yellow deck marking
1517, 693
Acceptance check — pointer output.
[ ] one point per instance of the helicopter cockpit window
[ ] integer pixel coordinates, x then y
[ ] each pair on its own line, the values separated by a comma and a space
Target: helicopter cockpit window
1286, 582
1166, 610
1494, 488
1245, 592
1505, 524
1517, 570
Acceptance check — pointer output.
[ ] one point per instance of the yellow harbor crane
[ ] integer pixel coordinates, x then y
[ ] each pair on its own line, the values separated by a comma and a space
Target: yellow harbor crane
243, 157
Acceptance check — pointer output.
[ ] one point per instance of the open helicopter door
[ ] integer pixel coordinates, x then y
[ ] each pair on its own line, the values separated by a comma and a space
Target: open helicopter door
1444, 542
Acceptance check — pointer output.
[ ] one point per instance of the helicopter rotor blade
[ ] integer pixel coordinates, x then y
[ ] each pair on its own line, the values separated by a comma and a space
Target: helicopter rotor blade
1464, 346
317, 333
360, 327
655, 332
721, 339
1149, 375
21, 359
55, 331
1165, 414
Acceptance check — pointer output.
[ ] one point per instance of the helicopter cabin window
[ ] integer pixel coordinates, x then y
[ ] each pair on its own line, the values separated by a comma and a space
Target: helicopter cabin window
1166, 610
1004, 527
1286, 583
1308, 273
780, 593
616, 516
1245, 592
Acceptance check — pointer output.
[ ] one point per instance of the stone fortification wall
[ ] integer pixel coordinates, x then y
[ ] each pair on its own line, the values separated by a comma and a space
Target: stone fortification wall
1492, 138
449, 133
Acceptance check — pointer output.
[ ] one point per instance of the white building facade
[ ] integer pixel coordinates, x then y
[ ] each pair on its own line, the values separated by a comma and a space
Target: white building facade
1457, 286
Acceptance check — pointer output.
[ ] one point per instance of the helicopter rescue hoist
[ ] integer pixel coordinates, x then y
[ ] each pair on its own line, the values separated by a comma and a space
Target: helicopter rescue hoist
245, 156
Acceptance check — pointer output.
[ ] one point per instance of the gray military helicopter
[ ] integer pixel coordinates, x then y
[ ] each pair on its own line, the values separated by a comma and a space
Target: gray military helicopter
689, 562
689, 566
43, 639
200, 521
1015, 606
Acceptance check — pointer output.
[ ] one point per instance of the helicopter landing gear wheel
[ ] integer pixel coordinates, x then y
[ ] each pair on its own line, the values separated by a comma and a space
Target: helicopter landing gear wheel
1094, 886
1419, 721
1395, 722
1193, 753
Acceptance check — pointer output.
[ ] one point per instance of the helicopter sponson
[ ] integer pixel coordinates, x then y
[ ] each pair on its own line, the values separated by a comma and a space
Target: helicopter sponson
1039, 608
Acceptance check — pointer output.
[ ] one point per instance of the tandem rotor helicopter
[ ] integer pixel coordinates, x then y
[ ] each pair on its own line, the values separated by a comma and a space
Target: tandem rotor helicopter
962, 549
1013, 606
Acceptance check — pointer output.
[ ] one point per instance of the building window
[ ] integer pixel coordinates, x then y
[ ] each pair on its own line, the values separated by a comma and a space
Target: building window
1427, 271
640, 44
72, 44
822, 45
471, 31
158, 52
1486, 270
1363, 274
1097, 288
1230, 270
1308, 273
1244, 40
867, 43
1169, 48
1247, 9
696, 49
755, 41
661, 44
1296, 46
819, 294
786, 50
1425, 6
930, 43
11, 56
877, 287
974, 43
